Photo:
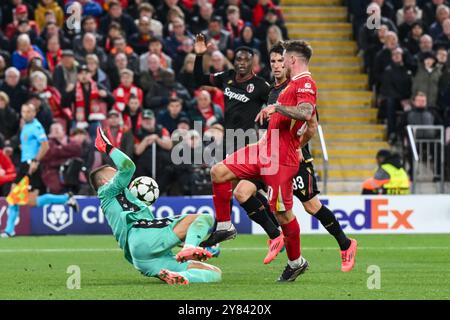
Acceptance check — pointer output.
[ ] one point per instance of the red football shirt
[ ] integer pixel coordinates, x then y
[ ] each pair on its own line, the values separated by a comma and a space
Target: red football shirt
300, 89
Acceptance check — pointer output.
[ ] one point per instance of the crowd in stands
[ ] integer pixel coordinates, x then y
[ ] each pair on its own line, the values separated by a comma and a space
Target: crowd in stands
126, 65
405, 46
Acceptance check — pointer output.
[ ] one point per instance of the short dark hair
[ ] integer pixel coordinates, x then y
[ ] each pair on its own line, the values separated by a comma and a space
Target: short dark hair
299, 46
277, 48
175, 99
93, 176
245, 49
216, 19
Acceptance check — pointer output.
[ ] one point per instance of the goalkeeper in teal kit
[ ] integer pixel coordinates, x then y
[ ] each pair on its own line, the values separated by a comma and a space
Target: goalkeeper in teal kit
147, 242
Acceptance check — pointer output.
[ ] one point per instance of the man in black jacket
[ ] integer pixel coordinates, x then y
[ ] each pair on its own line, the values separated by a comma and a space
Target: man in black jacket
16, 92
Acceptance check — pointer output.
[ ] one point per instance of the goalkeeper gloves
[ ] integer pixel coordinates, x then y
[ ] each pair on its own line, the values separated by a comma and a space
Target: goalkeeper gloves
102, 142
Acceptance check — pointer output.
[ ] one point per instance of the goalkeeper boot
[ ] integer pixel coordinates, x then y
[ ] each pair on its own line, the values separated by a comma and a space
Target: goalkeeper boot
349, 256
193, 253
171, 277
290, 274
72, 202
275, 246
220, 236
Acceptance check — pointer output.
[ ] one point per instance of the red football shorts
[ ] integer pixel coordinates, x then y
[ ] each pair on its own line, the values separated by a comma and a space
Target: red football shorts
246, 164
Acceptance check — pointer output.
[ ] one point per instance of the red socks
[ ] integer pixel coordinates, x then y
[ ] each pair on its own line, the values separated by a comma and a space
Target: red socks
222, 194
291, 233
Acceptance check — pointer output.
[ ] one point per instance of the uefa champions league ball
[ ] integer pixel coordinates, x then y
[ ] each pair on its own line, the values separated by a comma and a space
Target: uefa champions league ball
145, 189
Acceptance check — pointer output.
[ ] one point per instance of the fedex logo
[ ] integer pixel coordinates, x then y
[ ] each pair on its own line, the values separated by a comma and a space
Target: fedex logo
375, 215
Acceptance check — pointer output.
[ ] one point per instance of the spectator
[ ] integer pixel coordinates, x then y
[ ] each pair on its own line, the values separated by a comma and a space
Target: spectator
274, 36
390, 177
114, 31
429, 11
48, 5
148, 135
155, 72
115, 14
410, 17
425, 46
200, 22
374, 47
98, 75
21, 14
169, 118
260, 10
442, 14
120, 46
245, 11
411, 43
205, 111
53, 54
444, 38
61, 149
402, 13
427, 78
186, 74
9, 118
395, 90
16, 92
132, 115
387, 9
140, 41
218, 63
235, 24
43, 112
88, 151
90, 46
88, 25
187, 47
7, 173
247, 38
271, 18
384, 57
119, 136
89, 102
65, 74
24, 53
125, 89
164, 8
50, 30
444, 65
174, 41
173, 15
216, 32
155, 46
147, 10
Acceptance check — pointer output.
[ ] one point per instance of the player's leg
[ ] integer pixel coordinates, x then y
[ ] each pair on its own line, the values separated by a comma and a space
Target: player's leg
48, 198
194, 272
192, 229
305, 189
245, 194
222, 177
281, 202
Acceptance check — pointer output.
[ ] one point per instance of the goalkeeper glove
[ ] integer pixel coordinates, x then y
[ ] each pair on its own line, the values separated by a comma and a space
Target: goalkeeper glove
102, 142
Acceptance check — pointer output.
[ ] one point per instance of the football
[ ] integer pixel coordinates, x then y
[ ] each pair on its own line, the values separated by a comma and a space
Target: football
145, 189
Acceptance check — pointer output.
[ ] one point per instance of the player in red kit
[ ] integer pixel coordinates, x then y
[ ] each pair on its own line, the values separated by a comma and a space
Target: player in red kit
275, 158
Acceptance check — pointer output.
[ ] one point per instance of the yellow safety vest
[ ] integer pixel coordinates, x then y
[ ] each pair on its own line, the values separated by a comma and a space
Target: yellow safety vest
398, 182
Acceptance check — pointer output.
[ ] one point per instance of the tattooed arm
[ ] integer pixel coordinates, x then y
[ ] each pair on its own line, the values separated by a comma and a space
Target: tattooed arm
303, 111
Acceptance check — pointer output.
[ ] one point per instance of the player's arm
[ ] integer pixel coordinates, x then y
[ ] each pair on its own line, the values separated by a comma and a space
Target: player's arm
125, 166
200, 48
311, 130
302, 111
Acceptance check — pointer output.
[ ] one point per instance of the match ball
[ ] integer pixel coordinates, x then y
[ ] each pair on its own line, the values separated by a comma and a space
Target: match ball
145, 189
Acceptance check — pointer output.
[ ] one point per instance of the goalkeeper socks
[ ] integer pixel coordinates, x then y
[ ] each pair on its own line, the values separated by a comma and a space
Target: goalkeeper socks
291, 233
51, 199
329, 222
222, 194
201, 275
13, 214
265, 202
257, 212
198, 230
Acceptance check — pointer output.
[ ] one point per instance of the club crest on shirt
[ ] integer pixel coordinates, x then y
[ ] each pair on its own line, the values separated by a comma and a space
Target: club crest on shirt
307, 85
250, 88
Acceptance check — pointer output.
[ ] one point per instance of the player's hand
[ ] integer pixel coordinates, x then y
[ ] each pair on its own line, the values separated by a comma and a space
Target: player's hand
102, 142
33, 167
265, 114
200, 46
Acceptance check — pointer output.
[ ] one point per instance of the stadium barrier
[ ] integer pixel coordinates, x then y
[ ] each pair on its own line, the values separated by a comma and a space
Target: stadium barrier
357, 214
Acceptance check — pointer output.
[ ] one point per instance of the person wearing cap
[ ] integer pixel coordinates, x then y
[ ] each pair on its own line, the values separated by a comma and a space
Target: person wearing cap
20, 14
65, 74
427, 78
126, 88
152, 133
88, 100
155, 46
119, 136
48, 5
174, 112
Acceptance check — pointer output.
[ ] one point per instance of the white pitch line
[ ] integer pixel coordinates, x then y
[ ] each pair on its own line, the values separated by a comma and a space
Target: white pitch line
66, 250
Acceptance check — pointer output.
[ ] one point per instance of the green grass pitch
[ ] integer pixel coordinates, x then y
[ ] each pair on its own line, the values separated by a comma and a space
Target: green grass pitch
411, 267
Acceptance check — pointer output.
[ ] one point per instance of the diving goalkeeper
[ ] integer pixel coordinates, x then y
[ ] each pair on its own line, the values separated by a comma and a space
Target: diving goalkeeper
147, 242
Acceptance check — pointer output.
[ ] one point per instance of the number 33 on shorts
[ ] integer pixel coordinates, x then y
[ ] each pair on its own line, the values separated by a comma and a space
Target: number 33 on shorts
297, 183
